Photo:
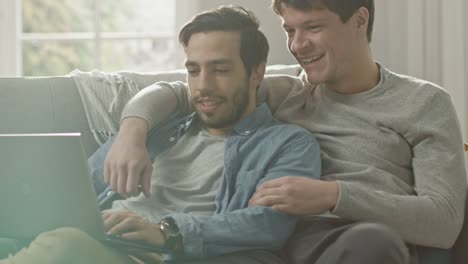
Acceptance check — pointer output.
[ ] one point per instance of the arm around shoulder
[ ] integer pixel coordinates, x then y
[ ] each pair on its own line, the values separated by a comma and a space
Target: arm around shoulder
276, 88
159, 102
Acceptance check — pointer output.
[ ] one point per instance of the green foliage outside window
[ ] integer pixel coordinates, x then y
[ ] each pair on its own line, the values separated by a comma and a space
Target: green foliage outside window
58, 57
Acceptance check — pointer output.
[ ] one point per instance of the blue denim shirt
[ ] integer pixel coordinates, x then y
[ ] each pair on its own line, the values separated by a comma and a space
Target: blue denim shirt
258, 149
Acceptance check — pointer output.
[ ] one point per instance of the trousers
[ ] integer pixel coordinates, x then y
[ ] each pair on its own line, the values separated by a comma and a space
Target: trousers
73, 246
324, 240
314, 242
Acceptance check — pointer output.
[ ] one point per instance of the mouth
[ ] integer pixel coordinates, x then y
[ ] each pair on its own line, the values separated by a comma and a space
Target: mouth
311, 60
209, 105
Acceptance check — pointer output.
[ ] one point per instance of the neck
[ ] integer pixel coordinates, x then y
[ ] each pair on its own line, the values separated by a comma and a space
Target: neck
219, 131
359, 77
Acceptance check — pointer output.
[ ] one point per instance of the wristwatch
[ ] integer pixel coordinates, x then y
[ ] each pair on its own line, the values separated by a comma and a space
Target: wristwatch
172, 236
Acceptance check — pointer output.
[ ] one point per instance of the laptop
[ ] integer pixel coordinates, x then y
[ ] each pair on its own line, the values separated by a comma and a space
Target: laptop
45, 184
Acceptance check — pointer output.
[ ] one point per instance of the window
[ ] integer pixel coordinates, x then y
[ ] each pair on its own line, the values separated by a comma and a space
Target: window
56, 37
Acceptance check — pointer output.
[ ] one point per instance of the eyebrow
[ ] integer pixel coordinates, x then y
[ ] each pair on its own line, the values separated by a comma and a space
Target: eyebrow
189, 63
305, 23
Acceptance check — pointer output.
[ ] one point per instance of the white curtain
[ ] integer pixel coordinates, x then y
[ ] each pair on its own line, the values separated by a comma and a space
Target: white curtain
8, 41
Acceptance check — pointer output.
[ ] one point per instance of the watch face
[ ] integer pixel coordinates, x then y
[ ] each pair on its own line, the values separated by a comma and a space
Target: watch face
171, 226
173, 237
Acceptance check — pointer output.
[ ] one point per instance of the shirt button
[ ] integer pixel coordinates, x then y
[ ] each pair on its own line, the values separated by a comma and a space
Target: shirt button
171, 139
247, 132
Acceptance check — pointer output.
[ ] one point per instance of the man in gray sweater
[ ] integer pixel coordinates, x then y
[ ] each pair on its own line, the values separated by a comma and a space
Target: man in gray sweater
393, 174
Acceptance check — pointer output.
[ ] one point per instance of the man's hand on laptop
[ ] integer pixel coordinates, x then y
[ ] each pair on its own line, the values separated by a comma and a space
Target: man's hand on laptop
131, 226
127, 166
128, 225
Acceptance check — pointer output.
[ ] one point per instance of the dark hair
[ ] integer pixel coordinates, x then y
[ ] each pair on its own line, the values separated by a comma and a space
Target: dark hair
254, 45
343, 8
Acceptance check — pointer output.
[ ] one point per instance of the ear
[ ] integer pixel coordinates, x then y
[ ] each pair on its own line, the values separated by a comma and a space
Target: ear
361, 19
257, 75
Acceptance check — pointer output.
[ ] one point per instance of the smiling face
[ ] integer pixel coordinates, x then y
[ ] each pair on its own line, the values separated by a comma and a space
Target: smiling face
326, 48
221, 91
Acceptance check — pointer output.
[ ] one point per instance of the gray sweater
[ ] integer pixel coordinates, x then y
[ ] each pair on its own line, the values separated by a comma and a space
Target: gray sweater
395, 150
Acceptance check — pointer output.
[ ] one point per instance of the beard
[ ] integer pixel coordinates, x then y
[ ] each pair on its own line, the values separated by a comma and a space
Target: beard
236, 107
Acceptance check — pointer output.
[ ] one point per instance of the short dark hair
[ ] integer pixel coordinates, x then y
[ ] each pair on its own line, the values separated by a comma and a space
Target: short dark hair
343, 8
254, 45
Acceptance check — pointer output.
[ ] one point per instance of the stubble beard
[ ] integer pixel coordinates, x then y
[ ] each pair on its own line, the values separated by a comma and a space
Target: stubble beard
238, 104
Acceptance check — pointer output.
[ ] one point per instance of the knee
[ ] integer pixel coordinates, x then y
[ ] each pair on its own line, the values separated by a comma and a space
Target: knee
64, 242
375, 242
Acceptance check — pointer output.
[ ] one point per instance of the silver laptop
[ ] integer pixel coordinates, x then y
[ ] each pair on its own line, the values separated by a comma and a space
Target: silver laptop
45, 184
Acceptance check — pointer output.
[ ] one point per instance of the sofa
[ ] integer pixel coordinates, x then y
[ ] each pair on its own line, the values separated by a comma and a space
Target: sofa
54, 105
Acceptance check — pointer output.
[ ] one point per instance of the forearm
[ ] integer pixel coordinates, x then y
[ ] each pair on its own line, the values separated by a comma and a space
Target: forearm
244, 229
133, 130
430, 220
158, 103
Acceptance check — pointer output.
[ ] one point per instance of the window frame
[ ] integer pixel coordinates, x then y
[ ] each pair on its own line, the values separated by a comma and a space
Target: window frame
11, 50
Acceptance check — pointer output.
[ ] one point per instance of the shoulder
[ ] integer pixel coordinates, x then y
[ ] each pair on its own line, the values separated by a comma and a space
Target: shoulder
414, 87
418, 101
277, 86
414, 95
278, 132
281, 82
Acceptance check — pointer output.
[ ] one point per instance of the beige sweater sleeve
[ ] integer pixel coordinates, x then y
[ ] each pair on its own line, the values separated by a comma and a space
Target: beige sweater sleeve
158, 102
433, 214
164, 100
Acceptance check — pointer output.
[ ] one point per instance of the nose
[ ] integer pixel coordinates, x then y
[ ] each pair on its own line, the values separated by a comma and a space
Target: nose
298, 42
205, 83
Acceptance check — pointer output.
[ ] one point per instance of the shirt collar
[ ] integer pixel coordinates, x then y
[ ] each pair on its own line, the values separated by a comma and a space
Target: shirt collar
250, 123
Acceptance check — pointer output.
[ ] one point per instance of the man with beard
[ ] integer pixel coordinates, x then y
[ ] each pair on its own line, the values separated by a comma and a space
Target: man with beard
393, 168
207, 164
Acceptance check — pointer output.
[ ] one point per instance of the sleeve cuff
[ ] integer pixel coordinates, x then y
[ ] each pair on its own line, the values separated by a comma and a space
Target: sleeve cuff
340, 203
191, 235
